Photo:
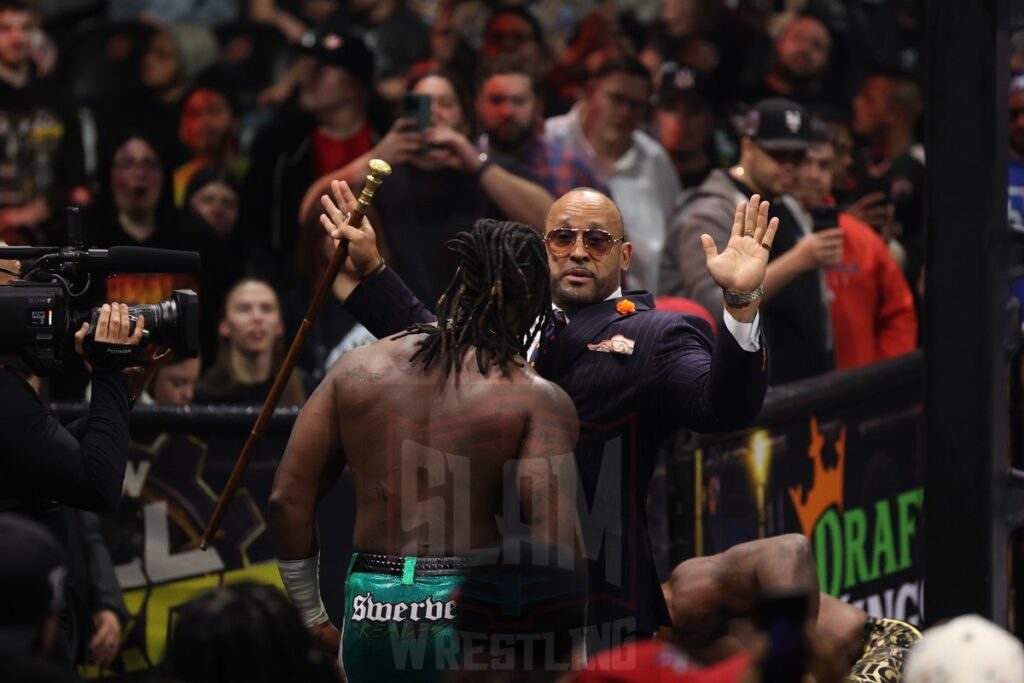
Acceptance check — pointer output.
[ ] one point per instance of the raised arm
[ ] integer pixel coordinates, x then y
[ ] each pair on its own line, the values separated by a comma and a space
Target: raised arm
722, 388
812, 251
715, 383
401, 143
695, 282
380, 301
518, 198
311, 464
267, 12
740, 269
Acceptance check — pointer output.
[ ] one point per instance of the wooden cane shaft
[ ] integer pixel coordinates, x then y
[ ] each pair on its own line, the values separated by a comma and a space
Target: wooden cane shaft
378, 171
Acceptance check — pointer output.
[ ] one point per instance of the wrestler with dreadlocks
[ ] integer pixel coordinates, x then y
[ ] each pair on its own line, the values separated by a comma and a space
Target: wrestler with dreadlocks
500, 289
623, 362
441, 427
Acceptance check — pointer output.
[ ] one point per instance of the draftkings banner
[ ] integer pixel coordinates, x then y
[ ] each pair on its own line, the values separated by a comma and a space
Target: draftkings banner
847, 472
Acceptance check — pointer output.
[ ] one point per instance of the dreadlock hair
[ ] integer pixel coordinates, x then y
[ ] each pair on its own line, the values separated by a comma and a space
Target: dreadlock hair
499, 289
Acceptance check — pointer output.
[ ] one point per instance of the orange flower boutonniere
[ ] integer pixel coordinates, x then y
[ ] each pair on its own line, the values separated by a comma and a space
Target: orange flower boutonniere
625, 307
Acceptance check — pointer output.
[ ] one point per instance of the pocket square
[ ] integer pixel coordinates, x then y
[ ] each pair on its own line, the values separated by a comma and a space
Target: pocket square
617, 344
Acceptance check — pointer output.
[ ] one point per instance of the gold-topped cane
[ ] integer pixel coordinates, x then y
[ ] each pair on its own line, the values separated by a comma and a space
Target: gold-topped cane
378, 171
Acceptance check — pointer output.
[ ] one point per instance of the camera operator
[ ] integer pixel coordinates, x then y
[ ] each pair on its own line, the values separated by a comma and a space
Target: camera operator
43, 463
82, 465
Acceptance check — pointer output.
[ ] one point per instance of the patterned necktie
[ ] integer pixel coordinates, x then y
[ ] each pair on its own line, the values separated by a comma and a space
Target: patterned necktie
549, 334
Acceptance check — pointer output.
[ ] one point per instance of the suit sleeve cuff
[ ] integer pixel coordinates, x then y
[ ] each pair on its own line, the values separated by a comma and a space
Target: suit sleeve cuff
747, 335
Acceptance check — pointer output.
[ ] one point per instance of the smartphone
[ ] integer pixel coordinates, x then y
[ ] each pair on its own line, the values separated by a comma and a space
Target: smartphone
824, 217
417, 107
783, 619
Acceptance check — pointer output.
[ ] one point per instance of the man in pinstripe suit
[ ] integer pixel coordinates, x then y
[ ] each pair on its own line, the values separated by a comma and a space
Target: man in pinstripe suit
635, 374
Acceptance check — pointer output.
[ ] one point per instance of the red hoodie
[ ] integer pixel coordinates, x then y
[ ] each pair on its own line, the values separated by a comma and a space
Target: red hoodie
873, 315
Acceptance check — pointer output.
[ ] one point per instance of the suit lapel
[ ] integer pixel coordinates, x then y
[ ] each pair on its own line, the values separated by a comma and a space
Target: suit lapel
589, 326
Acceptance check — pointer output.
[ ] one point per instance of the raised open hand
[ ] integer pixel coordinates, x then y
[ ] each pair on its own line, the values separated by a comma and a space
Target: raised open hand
741, 265
360, 242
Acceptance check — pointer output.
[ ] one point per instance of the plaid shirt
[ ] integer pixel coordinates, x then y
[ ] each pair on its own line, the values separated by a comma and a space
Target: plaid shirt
643, 183
558, 168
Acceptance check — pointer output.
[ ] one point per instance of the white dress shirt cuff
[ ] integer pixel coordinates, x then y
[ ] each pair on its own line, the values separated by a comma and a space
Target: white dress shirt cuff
747, 335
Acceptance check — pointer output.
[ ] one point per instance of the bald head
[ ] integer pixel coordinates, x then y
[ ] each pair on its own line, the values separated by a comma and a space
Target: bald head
886, 102
905, 94
586, 275
592, 202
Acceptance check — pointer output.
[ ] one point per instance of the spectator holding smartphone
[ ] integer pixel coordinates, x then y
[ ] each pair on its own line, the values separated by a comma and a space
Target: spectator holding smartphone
46, 465
775, 137
441, 182
870, 205
870, 303
885, 112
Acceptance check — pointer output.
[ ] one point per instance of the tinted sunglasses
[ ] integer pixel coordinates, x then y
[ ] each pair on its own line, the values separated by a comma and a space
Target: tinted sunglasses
597, 242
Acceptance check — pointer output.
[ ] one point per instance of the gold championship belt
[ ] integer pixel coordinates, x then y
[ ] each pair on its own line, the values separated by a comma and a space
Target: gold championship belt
886, 642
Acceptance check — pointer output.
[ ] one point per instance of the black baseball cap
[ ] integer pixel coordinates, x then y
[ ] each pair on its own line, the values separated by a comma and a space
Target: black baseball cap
31, 580
683, 85
778, 124
333, 45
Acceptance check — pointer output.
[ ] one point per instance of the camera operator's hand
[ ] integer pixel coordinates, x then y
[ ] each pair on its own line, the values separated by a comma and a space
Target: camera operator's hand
112, 327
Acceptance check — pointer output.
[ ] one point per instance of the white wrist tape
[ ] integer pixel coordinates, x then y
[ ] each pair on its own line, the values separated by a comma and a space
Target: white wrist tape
301, 579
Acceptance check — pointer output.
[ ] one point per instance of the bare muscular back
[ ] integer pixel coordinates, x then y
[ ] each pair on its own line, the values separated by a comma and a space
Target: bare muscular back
434, 460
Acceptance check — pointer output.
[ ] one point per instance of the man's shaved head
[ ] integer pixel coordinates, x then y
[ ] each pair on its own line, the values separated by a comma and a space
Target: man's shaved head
587, 195
579, 279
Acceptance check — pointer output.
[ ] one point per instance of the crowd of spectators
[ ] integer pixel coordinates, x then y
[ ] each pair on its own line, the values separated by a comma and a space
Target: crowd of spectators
174, 125
216, 126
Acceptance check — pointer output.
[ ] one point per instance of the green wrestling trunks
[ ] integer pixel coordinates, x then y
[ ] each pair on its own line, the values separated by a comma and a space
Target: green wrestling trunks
400, 617
886, 642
